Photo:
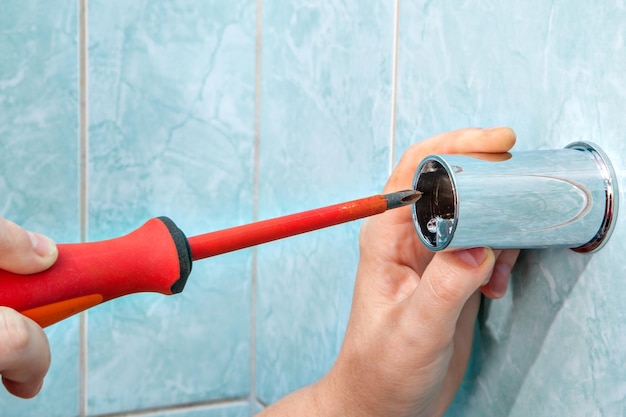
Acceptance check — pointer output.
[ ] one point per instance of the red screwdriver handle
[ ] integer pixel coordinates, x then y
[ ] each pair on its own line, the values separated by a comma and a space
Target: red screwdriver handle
154, 258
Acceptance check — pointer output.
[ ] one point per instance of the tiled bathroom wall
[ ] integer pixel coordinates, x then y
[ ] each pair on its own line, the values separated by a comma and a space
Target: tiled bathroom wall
218, 113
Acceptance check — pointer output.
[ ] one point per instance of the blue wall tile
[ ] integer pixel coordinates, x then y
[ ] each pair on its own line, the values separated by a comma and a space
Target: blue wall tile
171, 99
39, 164
39, 117
325, 127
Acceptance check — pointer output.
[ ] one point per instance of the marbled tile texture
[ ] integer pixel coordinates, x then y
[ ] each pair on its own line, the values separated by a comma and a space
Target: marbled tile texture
38, 162
171, 124
182, 122
325, 117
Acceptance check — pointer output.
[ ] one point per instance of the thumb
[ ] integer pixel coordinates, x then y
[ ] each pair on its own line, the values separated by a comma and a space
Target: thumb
24, 252
447, 284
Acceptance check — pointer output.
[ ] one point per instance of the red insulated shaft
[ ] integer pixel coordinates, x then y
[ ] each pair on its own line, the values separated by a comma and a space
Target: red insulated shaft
239, 237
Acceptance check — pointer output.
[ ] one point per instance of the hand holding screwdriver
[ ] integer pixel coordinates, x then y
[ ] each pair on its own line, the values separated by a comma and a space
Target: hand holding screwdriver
409, 334
158, 257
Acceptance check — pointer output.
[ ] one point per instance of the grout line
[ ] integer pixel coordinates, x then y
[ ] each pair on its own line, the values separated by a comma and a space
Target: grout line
84, 159
255, 213
83, 365
82, 52
394, 86
178, 408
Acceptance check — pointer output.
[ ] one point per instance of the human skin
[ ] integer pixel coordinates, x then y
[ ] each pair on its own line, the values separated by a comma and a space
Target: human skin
24, 349
410, 331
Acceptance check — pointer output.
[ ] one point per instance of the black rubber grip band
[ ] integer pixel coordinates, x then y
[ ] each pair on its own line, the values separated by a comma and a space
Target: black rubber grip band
184, 254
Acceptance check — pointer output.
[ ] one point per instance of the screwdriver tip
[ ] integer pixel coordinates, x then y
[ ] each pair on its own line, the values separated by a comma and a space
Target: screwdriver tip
402, 198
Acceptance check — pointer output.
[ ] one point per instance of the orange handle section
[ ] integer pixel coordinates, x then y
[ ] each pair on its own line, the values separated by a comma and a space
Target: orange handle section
53, 313
153, 258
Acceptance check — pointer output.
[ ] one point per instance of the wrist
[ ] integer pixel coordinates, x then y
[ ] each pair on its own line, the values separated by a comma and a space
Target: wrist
315, 400
332, 397
346, 390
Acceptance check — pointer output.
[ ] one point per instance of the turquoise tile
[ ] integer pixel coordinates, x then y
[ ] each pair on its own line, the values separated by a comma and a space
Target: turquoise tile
477, 65
171, 99
39, 117
39, 163
556, 73
324, 138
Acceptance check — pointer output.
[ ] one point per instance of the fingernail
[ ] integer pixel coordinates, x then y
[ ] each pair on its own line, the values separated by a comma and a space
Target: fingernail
43, 246
472, 257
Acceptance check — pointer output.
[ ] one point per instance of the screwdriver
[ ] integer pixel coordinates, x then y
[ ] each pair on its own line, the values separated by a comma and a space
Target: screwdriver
157, 257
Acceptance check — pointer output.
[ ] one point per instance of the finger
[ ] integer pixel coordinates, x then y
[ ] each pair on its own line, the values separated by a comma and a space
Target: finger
447, 283
499, 280
24, 252
24, 354
471, 140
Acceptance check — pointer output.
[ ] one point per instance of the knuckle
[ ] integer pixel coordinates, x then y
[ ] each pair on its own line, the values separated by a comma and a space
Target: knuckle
445, 289
6, 238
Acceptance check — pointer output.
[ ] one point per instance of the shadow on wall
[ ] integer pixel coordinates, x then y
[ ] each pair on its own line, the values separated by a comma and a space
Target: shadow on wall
512, 331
